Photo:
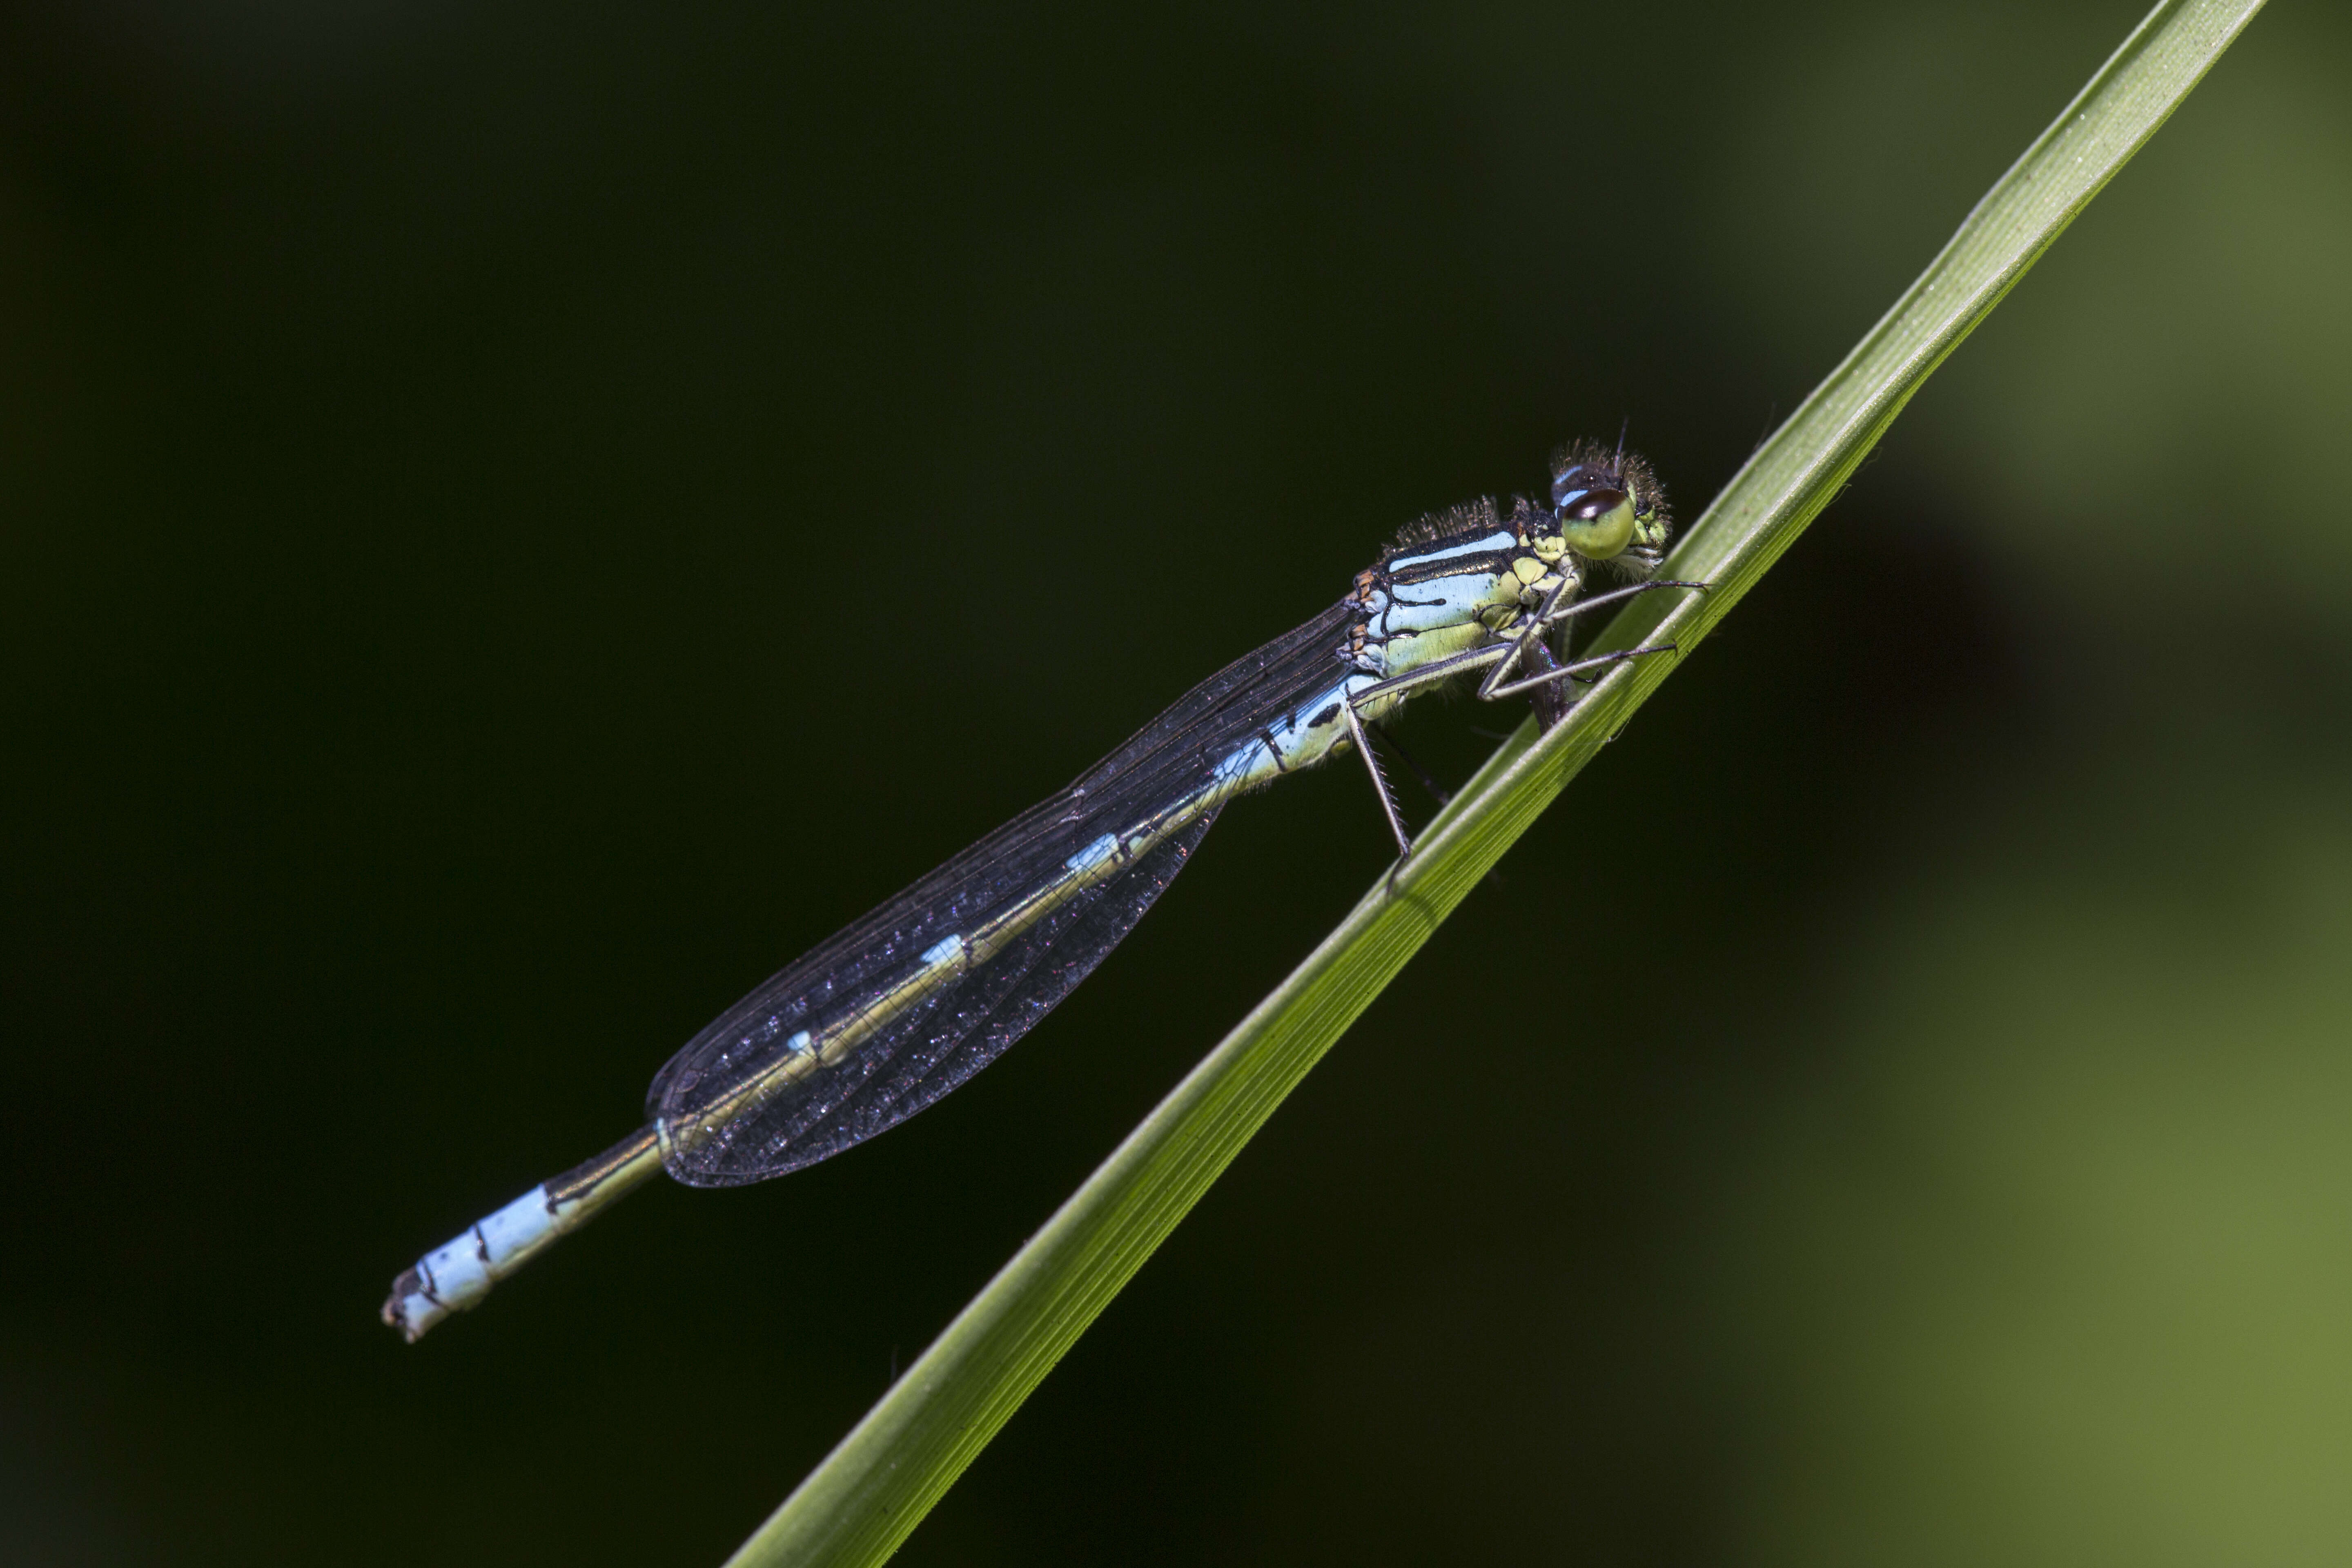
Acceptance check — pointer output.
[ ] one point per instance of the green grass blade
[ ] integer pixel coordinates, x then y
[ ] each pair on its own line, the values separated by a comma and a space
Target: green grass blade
862, 1502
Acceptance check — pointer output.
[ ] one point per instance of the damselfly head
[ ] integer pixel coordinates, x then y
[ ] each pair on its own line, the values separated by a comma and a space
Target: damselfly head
1608, 507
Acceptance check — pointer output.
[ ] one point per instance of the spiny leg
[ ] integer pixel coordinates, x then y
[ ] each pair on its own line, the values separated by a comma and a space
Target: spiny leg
1555, 613
1551, 700
1531, 645
1437, 792
1576, 669
1379, 783
1436, 670
1553, 616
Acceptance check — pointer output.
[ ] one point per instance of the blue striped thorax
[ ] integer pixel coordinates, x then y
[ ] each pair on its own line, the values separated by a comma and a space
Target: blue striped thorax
1474, 576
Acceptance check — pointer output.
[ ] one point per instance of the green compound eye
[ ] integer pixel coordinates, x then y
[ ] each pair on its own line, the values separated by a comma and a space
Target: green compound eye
1598, 525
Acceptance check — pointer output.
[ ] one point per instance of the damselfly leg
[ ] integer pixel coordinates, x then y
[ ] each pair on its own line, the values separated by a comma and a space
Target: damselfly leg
1558, 610
1575, 669
1356, 728
1427, 780
1498, 659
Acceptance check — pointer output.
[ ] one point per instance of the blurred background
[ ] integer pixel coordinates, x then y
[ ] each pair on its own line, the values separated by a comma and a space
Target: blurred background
521, 520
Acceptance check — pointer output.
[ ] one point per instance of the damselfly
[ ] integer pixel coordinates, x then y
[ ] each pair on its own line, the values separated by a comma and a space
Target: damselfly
911, 1000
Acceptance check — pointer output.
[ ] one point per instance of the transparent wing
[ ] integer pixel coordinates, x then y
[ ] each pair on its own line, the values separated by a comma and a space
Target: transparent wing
911, 1000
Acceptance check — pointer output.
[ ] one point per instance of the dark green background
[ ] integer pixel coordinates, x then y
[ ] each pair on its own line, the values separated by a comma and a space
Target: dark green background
519, 520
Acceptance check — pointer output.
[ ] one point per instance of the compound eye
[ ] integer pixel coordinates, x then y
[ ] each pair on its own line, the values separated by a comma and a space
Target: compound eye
1598, 524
